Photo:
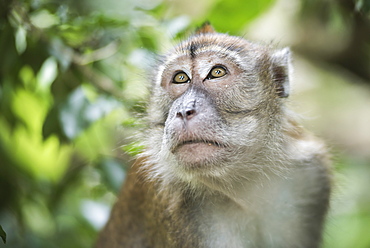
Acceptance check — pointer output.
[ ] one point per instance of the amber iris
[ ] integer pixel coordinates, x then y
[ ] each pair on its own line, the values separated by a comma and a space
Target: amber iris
181, 78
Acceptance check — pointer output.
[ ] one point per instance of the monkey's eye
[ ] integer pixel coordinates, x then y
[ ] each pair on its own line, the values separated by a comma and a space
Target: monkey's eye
216, 72
180, 78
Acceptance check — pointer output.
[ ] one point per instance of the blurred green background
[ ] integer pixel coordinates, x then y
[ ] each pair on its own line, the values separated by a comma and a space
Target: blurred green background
73, 84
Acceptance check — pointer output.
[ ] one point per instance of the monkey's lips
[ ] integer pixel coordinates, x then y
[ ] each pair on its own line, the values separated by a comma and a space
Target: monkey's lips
198, 151
207, 142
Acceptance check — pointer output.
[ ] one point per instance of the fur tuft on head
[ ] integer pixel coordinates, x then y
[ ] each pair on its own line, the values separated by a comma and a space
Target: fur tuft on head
205, 28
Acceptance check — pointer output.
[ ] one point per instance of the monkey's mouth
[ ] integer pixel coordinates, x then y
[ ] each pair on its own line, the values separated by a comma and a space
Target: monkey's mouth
195, 143
208, 142
199, 153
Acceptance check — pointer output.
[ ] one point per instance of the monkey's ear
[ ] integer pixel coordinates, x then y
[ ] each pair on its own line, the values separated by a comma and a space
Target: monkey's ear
205, 28
281, 70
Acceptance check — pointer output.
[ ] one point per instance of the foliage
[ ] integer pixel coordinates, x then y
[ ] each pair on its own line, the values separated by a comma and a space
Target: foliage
65, 74
226, 10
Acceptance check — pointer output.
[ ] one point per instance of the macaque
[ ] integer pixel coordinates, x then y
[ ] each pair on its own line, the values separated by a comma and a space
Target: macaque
225, 163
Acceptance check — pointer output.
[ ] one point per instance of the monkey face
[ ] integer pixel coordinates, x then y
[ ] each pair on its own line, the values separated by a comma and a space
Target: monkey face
218, 98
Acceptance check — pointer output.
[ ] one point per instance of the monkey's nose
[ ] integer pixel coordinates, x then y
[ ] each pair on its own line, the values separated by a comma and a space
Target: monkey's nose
187, 112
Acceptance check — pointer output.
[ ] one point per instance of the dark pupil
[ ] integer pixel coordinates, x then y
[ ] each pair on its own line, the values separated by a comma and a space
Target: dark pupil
181, 77
218, 71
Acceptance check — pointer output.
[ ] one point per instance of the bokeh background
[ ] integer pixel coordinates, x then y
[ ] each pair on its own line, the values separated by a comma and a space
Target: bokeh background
73, 85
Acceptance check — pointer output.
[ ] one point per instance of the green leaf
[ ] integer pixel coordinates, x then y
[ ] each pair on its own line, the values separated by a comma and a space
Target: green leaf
20, 40
47, 74
44, 19
2, 234
233, 15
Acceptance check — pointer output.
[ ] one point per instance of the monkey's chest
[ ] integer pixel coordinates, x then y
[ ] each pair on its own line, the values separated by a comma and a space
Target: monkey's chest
265, 219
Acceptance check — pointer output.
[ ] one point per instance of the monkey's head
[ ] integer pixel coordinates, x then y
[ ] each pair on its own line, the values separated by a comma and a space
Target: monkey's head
217, 102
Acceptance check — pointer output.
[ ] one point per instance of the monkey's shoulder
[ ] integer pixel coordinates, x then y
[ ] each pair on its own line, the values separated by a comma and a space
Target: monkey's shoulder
305, 147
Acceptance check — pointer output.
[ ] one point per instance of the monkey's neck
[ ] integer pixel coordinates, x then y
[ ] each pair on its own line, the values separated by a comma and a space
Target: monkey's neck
243, 192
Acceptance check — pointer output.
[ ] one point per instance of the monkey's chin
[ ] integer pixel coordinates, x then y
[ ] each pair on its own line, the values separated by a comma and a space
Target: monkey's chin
199, 154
